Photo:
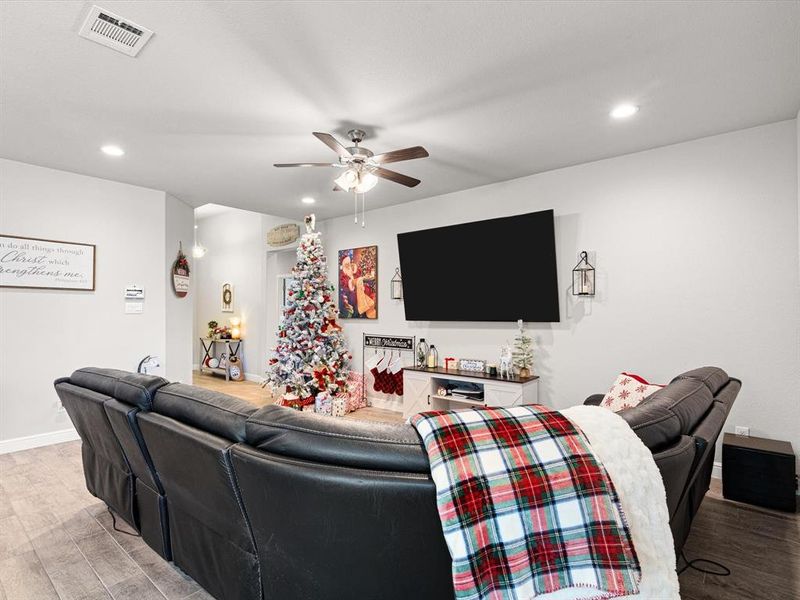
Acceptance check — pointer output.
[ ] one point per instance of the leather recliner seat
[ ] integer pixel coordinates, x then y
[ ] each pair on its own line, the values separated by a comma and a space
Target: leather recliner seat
103, 404
189, 434
275, 503
680, 424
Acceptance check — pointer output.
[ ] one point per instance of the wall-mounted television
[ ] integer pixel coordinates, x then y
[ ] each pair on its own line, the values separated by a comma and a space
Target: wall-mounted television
495, 270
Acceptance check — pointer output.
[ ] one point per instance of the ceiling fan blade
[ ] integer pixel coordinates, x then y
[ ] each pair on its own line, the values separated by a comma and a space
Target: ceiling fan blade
396, 177
332, 143
336, 188
302, 165
398, 155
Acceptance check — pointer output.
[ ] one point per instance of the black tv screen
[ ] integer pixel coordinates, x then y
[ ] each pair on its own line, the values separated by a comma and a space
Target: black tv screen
495, 270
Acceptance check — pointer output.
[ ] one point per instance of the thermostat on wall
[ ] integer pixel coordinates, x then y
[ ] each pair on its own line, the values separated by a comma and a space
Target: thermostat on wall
134, 292
134, 308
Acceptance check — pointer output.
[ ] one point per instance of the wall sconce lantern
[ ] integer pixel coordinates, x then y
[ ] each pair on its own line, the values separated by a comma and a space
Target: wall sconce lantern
583, 277
397, 285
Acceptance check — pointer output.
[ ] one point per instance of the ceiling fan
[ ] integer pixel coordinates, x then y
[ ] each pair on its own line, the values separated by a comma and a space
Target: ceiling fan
362, 166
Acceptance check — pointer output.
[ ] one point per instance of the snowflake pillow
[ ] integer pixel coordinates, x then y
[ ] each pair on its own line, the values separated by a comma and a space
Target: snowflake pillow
628, 391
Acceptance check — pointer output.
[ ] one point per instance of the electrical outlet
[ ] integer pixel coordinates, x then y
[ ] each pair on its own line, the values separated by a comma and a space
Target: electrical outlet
742, 430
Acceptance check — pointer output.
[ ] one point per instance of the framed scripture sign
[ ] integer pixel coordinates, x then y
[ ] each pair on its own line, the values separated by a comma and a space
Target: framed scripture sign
46, 264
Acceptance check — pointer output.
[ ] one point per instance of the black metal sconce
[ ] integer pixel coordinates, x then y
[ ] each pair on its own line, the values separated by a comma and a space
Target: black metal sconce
583, 277
397, 285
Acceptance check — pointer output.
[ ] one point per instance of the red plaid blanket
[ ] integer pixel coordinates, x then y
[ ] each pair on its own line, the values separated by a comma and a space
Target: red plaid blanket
525, 507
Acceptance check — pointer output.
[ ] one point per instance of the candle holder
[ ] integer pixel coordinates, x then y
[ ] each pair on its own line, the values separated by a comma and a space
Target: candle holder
583, 277
397, 285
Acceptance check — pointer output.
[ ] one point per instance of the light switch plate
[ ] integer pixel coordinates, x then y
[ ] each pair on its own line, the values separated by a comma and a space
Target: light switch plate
134, 308
742, 430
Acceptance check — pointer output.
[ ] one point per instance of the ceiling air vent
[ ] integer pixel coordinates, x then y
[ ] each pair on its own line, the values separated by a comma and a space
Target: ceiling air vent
116, 32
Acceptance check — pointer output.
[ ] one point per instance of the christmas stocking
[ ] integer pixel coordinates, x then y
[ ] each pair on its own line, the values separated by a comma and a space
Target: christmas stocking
377, 373
372, 364
388, 377
396, 370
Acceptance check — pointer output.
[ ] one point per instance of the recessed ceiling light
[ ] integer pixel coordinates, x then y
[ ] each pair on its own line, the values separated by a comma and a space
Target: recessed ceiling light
112, 150
623, 111
308, 200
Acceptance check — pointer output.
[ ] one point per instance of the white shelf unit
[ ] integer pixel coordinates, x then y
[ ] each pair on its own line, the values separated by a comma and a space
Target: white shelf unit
420, 391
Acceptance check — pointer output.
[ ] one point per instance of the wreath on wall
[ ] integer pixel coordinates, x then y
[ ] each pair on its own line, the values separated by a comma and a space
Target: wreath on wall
180, 273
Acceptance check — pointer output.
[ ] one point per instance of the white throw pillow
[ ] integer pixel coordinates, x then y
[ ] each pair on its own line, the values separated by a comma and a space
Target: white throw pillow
628, 391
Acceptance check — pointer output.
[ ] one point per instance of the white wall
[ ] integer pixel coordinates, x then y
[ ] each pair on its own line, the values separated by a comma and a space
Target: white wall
235, 255
697, 256
179, 316
278, 262
45, 334
238, 254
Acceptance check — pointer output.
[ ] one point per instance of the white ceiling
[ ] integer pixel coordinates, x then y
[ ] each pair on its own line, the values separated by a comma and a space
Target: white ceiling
493, 90
210, 210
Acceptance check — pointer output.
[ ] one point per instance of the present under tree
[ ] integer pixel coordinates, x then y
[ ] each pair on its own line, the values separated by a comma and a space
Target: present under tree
311, 356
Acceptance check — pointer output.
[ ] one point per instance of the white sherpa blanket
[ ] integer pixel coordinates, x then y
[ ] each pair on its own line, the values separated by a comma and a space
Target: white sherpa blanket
641, 492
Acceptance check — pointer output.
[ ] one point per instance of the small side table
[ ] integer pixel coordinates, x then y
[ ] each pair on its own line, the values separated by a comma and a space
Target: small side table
759, 471
208, 349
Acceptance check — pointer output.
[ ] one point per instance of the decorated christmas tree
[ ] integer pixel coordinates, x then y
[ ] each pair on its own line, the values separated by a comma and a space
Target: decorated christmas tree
522, 355
311, 357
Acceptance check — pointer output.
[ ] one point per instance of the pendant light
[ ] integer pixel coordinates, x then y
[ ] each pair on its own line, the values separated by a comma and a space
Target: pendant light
198, 250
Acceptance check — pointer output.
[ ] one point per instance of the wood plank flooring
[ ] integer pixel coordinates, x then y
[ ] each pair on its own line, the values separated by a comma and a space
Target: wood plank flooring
57, 541
761, 547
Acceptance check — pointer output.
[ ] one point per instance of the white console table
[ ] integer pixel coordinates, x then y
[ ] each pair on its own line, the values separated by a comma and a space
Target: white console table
420, 386
208, 346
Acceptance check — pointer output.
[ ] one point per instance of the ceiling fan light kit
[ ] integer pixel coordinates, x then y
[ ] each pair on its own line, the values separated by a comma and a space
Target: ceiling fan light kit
362, 166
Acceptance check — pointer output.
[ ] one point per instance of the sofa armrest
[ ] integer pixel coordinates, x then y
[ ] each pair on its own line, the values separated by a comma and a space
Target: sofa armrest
594, 400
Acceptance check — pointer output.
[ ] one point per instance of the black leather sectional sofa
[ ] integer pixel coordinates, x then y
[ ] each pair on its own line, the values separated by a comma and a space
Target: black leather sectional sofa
271, 503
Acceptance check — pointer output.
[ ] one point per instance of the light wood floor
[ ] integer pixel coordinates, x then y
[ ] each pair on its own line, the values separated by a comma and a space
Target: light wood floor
57, 542
254, 393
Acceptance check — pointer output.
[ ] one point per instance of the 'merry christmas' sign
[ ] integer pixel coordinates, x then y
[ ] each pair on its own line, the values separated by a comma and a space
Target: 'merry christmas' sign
389, 341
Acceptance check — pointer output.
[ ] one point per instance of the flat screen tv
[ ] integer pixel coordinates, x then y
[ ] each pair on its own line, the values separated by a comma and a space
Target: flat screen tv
494, 270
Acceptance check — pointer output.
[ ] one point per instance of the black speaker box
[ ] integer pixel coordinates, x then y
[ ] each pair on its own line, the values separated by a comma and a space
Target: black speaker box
759, 471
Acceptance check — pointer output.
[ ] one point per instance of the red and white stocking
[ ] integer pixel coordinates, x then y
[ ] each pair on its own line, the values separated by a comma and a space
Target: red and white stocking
389, 383
372, 364
379, 374
396, 373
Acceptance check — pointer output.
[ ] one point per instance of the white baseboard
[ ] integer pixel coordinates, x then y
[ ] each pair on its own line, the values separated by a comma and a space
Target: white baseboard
195, 367
716, 472
35, 441
385, 404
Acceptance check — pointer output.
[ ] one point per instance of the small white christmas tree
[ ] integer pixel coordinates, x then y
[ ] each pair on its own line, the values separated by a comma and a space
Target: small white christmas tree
311, 356
522, 355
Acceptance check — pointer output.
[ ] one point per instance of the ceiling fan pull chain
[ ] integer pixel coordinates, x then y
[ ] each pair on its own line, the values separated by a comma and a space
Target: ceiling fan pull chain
363, 208
355, 207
